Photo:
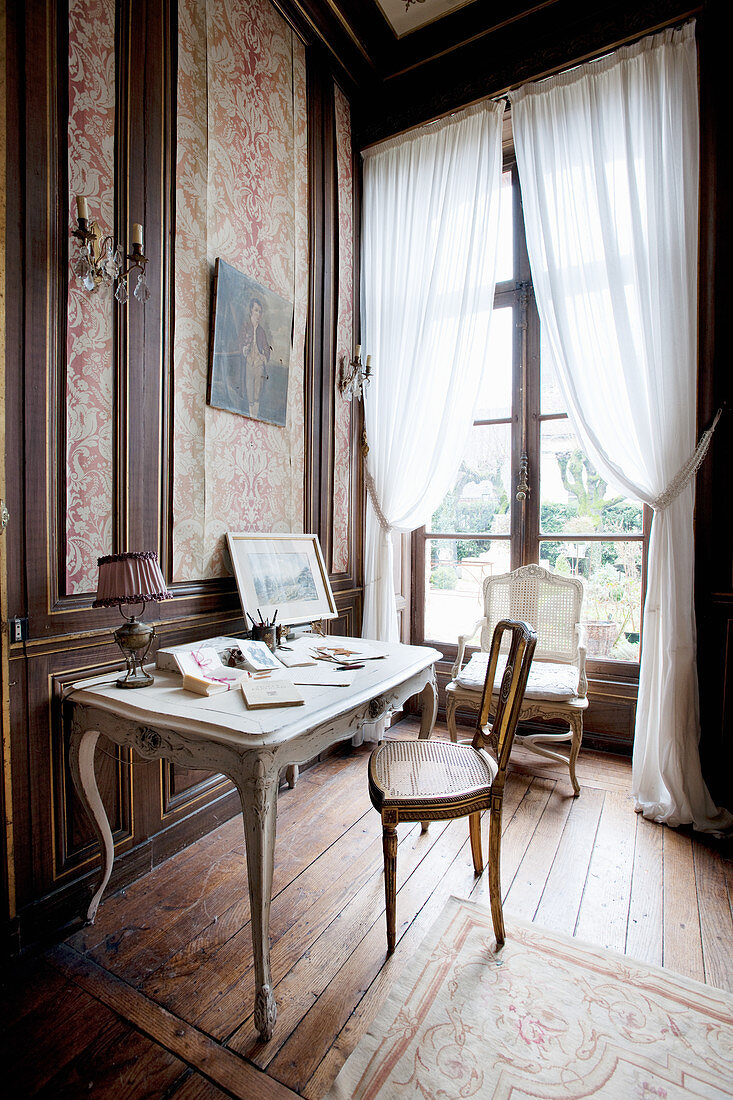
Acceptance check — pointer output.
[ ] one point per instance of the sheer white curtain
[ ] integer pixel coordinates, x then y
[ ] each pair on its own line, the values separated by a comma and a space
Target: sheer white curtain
608, 165
429, 243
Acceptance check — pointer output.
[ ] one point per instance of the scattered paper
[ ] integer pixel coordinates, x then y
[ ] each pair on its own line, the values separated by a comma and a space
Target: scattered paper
324, 675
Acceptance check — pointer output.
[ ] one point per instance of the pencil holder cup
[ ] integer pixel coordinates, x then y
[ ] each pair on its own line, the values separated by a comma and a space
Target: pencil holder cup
266, 633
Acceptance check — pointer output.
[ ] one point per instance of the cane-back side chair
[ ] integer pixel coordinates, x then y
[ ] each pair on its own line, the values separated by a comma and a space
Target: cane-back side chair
557, 687
430, 780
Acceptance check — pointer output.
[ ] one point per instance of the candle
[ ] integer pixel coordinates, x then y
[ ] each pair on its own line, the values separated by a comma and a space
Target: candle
82, 210
358, 351
369, 360
137, 234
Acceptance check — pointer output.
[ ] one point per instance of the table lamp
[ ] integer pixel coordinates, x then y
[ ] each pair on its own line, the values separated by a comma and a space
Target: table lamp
125, 580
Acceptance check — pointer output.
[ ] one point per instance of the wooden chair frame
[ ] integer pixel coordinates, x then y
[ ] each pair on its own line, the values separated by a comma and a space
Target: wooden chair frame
477, 772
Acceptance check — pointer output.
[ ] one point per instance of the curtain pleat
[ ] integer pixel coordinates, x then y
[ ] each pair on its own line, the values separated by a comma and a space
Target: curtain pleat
429, 245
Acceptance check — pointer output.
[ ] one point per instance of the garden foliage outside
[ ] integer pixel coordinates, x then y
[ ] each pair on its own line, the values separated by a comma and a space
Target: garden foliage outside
478, 506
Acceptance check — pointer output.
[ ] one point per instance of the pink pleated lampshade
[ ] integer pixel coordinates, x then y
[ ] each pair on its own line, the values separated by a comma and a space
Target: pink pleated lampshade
130, 578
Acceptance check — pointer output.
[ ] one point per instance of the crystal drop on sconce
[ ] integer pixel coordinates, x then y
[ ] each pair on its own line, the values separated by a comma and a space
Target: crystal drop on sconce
113, 263
141, 291
82, 267
121, 292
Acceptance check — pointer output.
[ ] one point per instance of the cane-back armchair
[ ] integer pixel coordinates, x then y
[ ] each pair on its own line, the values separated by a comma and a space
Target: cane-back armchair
557, 686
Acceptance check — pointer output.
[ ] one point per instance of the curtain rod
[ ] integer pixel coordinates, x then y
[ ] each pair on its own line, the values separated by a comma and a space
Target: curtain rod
497, 97
439, 118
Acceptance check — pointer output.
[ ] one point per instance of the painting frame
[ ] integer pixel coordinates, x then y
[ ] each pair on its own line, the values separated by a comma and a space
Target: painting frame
283, 573
250, 345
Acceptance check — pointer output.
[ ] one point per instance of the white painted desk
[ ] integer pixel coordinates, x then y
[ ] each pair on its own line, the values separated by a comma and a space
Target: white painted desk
250, 747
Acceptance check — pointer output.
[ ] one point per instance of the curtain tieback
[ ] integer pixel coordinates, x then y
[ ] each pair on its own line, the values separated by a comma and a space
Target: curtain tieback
686, 472
372, 491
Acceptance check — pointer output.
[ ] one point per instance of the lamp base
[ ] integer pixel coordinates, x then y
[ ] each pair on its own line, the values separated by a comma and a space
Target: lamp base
135, 639
139, 678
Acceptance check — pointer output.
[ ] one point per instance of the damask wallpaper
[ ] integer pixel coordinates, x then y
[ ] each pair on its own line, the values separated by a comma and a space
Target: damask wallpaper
241, 195
89, 334
344, 332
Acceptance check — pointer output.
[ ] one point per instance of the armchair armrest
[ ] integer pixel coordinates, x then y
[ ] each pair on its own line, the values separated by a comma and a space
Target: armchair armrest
582, 678
462, 641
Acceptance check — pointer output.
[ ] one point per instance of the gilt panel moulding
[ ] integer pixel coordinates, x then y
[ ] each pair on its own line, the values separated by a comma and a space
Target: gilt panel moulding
89, 406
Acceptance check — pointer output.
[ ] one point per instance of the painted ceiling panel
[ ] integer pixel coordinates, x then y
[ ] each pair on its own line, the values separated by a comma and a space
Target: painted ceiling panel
407, 15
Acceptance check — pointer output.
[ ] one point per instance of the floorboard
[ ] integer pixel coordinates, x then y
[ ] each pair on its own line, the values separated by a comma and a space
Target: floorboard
157, 996
682, 945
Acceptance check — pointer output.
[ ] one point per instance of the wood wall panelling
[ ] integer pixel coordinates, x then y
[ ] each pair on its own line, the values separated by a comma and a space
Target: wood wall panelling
186, 786
323, 304
155, 809
322, 348
715, 625
713, 515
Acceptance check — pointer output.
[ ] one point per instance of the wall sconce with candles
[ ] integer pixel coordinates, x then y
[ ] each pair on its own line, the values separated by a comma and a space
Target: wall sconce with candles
102, 262
355, 377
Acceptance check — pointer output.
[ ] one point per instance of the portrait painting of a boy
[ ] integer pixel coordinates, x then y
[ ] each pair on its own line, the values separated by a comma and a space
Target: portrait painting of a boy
249, 358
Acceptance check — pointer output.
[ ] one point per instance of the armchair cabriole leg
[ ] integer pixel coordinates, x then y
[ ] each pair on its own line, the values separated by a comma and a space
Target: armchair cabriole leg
576, 725
474, 831
450, 716
389, 847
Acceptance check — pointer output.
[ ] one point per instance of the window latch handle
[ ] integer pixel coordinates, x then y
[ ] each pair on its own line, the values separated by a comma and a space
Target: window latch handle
523, 481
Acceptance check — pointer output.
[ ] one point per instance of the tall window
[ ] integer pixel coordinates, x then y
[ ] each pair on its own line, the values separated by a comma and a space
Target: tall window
525, 491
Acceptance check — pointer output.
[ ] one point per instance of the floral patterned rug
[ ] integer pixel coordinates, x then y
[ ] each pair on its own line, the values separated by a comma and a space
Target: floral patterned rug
545, 1017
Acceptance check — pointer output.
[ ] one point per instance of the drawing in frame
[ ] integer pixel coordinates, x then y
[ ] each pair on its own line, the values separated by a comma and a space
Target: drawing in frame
249, 348
284, 573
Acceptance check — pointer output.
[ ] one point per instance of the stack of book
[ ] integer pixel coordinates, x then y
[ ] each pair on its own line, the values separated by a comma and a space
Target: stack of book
262, 681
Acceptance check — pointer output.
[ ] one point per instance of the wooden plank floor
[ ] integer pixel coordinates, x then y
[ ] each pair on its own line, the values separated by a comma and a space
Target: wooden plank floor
155, 999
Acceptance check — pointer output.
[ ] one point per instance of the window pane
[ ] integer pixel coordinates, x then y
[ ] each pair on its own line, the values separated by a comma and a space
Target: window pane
479, 500
495, 395
454, 574
574, 499
551, 400
505, 258
611, 572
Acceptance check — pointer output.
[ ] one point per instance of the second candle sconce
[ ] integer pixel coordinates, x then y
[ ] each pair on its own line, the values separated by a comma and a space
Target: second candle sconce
102, 262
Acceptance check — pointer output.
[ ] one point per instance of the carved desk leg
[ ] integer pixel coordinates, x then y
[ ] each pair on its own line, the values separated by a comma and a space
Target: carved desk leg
258, 792
429, 710
428, 705
81, 761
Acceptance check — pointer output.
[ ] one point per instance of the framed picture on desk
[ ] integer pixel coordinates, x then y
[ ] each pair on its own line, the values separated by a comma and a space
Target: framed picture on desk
281, 573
